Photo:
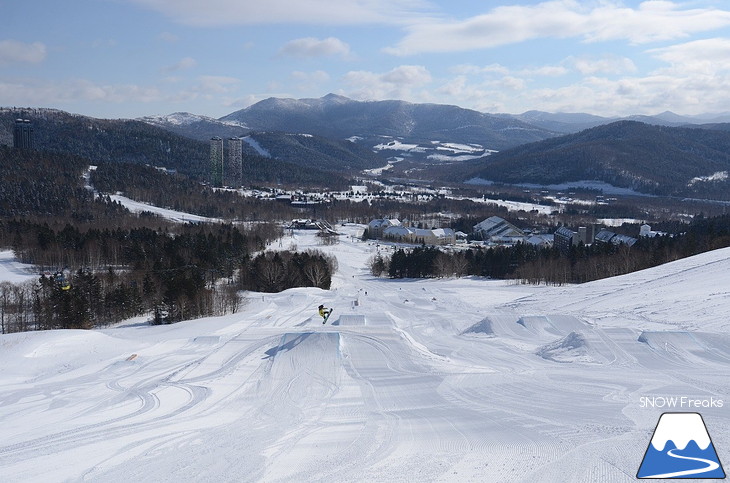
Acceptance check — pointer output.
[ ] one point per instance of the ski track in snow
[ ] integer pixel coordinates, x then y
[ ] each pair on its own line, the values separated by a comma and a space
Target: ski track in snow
396, 387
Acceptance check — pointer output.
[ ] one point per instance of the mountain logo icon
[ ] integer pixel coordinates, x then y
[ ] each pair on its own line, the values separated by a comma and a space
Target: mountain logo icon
681, 448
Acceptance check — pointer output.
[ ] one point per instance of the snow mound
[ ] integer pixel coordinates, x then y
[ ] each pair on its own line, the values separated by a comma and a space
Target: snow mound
539, 326
548, 327
571, 348
351, 320
688, 347
483, 327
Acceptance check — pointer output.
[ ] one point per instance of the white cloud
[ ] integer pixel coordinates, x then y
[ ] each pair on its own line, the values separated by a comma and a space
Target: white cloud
654, 20
606, 64
509, 83
320, 12
545, 71
41, 93
184, 64
311, 47
467, 69
604, 20
648, 94
396, 83
707, 56
14, 51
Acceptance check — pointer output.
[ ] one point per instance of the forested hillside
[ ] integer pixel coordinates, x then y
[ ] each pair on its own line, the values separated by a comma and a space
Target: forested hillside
650, 159
136, 142
98, 263
48, 186
305, 150
117, 140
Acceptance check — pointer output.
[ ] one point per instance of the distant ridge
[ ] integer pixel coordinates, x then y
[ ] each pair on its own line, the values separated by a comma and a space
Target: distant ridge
646, 158
340, 117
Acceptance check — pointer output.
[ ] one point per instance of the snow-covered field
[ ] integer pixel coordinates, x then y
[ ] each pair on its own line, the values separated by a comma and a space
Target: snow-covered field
412, 380
13, 271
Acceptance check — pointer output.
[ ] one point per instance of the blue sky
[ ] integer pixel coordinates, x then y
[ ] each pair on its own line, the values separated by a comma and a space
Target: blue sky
130, 58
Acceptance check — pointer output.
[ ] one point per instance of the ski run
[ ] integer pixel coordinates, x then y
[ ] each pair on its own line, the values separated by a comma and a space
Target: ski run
410, 380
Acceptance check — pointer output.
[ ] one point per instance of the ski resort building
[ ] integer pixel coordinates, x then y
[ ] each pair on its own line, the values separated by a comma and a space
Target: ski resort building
23, 134
607, 236
216, 161
420, 236
498, 230
565, 238
645, 231
235, 163
377, 227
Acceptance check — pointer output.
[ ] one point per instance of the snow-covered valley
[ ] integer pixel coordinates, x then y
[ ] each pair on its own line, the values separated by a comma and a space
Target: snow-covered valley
410, 380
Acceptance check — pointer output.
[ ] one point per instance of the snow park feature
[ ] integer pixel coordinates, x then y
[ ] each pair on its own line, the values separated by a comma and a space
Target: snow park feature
423, 380
681, 448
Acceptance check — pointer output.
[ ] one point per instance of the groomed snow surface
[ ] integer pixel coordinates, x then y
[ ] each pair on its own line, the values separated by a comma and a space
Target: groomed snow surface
411, 380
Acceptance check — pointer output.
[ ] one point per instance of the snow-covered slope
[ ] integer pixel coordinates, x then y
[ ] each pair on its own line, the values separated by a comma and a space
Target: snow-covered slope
412, 380
13, 271
184, 119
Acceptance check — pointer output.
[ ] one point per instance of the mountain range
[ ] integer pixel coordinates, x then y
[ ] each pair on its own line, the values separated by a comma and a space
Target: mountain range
399, 130
665, 154
395, 129
573, 122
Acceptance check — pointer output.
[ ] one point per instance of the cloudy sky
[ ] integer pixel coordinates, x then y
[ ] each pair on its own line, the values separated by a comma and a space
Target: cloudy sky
130, 58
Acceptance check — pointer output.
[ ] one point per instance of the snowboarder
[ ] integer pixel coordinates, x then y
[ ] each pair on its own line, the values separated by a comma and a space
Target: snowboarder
325, 313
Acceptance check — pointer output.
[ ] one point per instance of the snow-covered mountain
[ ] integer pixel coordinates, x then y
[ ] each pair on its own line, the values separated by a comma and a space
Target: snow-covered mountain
196, 126
375, 122
411, 380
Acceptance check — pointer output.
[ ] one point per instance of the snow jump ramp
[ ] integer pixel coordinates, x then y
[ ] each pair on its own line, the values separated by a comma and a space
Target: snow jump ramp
687, 347
303, 368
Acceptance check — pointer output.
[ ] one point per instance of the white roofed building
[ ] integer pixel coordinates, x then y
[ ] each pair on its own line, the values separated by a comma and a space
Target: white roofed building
378, 226
420, 236
497, 227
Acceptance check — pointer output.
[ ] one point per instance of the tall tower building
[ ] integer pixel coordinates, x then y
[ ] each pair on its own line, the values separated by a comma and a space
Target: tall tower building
216, 161
235, 162
23, 134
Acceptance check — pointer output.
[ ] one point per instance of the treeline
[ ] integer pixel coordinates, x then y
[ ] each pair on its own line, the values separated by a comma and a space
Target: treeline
428, 262
118, 273
277, 271
182, 193
536, 265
